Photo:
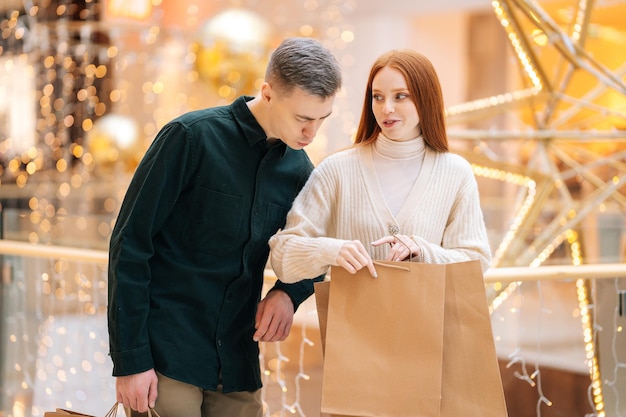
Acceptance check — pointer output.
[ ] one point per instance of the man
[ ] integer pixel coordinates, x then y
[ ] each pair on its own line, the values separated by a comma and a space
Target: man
189, 247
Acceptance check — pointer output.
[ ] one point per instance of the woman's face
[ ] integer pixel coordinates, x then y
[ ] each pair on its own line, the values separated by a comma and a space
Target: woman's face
393, 106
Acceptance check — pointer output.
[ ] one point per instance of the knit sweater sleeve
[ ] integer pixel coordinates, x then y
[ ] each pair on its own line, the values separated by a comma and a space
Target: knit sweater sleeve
302, 249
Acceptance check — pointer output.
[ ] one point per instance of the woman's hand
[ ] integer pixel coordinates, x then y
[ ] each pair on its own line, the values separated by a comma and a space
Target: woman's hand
353, 257
402, 247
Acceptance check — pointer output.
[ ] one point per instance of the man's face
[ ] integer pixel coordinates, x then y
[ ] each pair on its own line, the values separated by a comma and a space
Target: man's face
296, 116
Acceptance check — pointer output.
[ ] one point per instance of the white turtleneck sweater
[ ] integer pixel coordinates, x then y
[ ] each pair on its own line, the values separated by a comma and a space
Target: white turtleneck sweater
347, 197
397, 165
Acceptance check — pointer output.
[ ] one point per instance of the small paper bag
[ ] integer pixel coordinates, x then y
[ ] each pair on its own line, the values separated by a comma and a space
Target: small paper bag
62, 412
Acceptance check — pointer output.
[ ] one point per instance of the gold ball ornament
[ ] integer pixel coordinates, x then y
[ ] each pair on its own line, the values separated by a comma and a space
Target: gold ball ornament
114, 140
232, 50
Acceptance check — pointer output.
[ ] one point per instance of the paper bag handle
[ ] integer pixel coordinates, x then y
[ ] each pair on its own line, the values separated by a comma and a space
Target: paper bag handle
404, 268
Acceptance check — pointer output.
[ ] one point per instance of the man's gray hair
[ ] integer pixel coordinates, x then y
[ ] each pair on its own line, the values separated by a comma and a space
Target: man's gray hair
304, 63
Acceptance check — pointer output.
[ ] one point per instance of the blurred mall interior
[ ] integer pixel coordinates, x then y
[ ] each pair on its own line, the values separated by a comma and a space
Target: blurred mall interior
535, 93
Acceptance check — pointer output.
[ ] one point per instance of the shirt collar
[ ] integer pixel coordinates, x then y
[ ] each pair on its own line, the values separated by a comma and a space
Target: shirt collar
251, 129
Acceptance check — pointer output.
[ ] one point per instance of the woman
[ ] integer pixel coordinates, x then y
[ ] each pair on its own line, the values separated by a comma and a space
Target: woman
398, 194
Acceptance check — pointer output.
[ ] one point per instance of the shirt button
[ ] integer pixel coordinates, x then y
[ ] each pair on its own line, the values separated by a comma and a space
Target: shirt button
219, 343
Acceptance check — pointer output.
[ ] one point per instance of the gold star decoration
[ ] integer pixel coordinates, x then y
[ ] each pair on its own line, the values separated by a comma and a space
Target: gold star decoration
569, 116
562, 146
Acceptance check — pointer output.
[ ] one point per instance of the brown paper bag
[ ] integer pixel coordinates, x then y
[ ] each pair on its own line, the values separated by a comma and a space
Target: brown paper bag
375, 360
472, 384
443, 362
321, 301
62, 412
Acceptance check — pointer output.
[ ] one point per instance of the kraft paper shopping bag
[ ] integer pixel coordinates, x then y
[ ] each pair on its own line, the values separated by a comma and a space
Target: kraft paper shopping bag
469, 380
321, 301
472, 384
62, 412
384, 341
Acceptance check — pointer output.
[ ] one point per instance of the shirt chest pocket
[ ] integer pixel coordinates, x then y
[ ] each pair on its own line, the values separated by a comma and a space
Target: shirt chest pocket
274, 219
215, 222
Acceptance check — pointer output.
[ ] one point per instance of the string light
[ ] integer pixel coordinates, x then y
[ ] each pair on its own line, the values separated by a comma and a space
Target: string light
590, 350
580, 22
497, 101
516, 42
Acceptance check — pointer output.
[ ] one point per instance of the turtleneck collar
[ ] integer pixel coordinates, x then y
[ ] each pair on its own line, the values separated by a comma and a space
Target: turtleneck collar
392, 149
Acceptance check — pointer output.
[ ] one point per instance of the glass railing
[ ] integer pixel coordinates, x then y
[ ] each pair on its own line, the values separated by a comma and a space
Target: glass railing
54, 341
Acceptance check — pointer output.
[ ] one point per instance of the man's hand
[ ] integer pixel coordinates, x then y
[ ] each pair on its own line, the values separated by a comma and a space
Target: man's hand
138, 391
274, 316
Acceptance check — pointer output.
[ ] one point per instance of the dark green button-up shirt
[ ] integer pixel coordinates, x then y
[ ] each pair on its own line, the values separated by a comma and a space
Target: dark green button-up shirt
189, 248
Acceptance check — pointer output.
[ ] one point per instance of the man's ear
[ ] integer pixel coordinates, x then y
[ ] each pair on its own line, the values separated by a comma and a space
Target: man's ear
266, 92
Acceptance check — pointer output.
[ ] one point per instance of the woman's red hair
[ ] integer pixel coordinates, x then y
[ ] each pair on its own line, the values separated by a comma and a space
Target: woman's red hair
425, 90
